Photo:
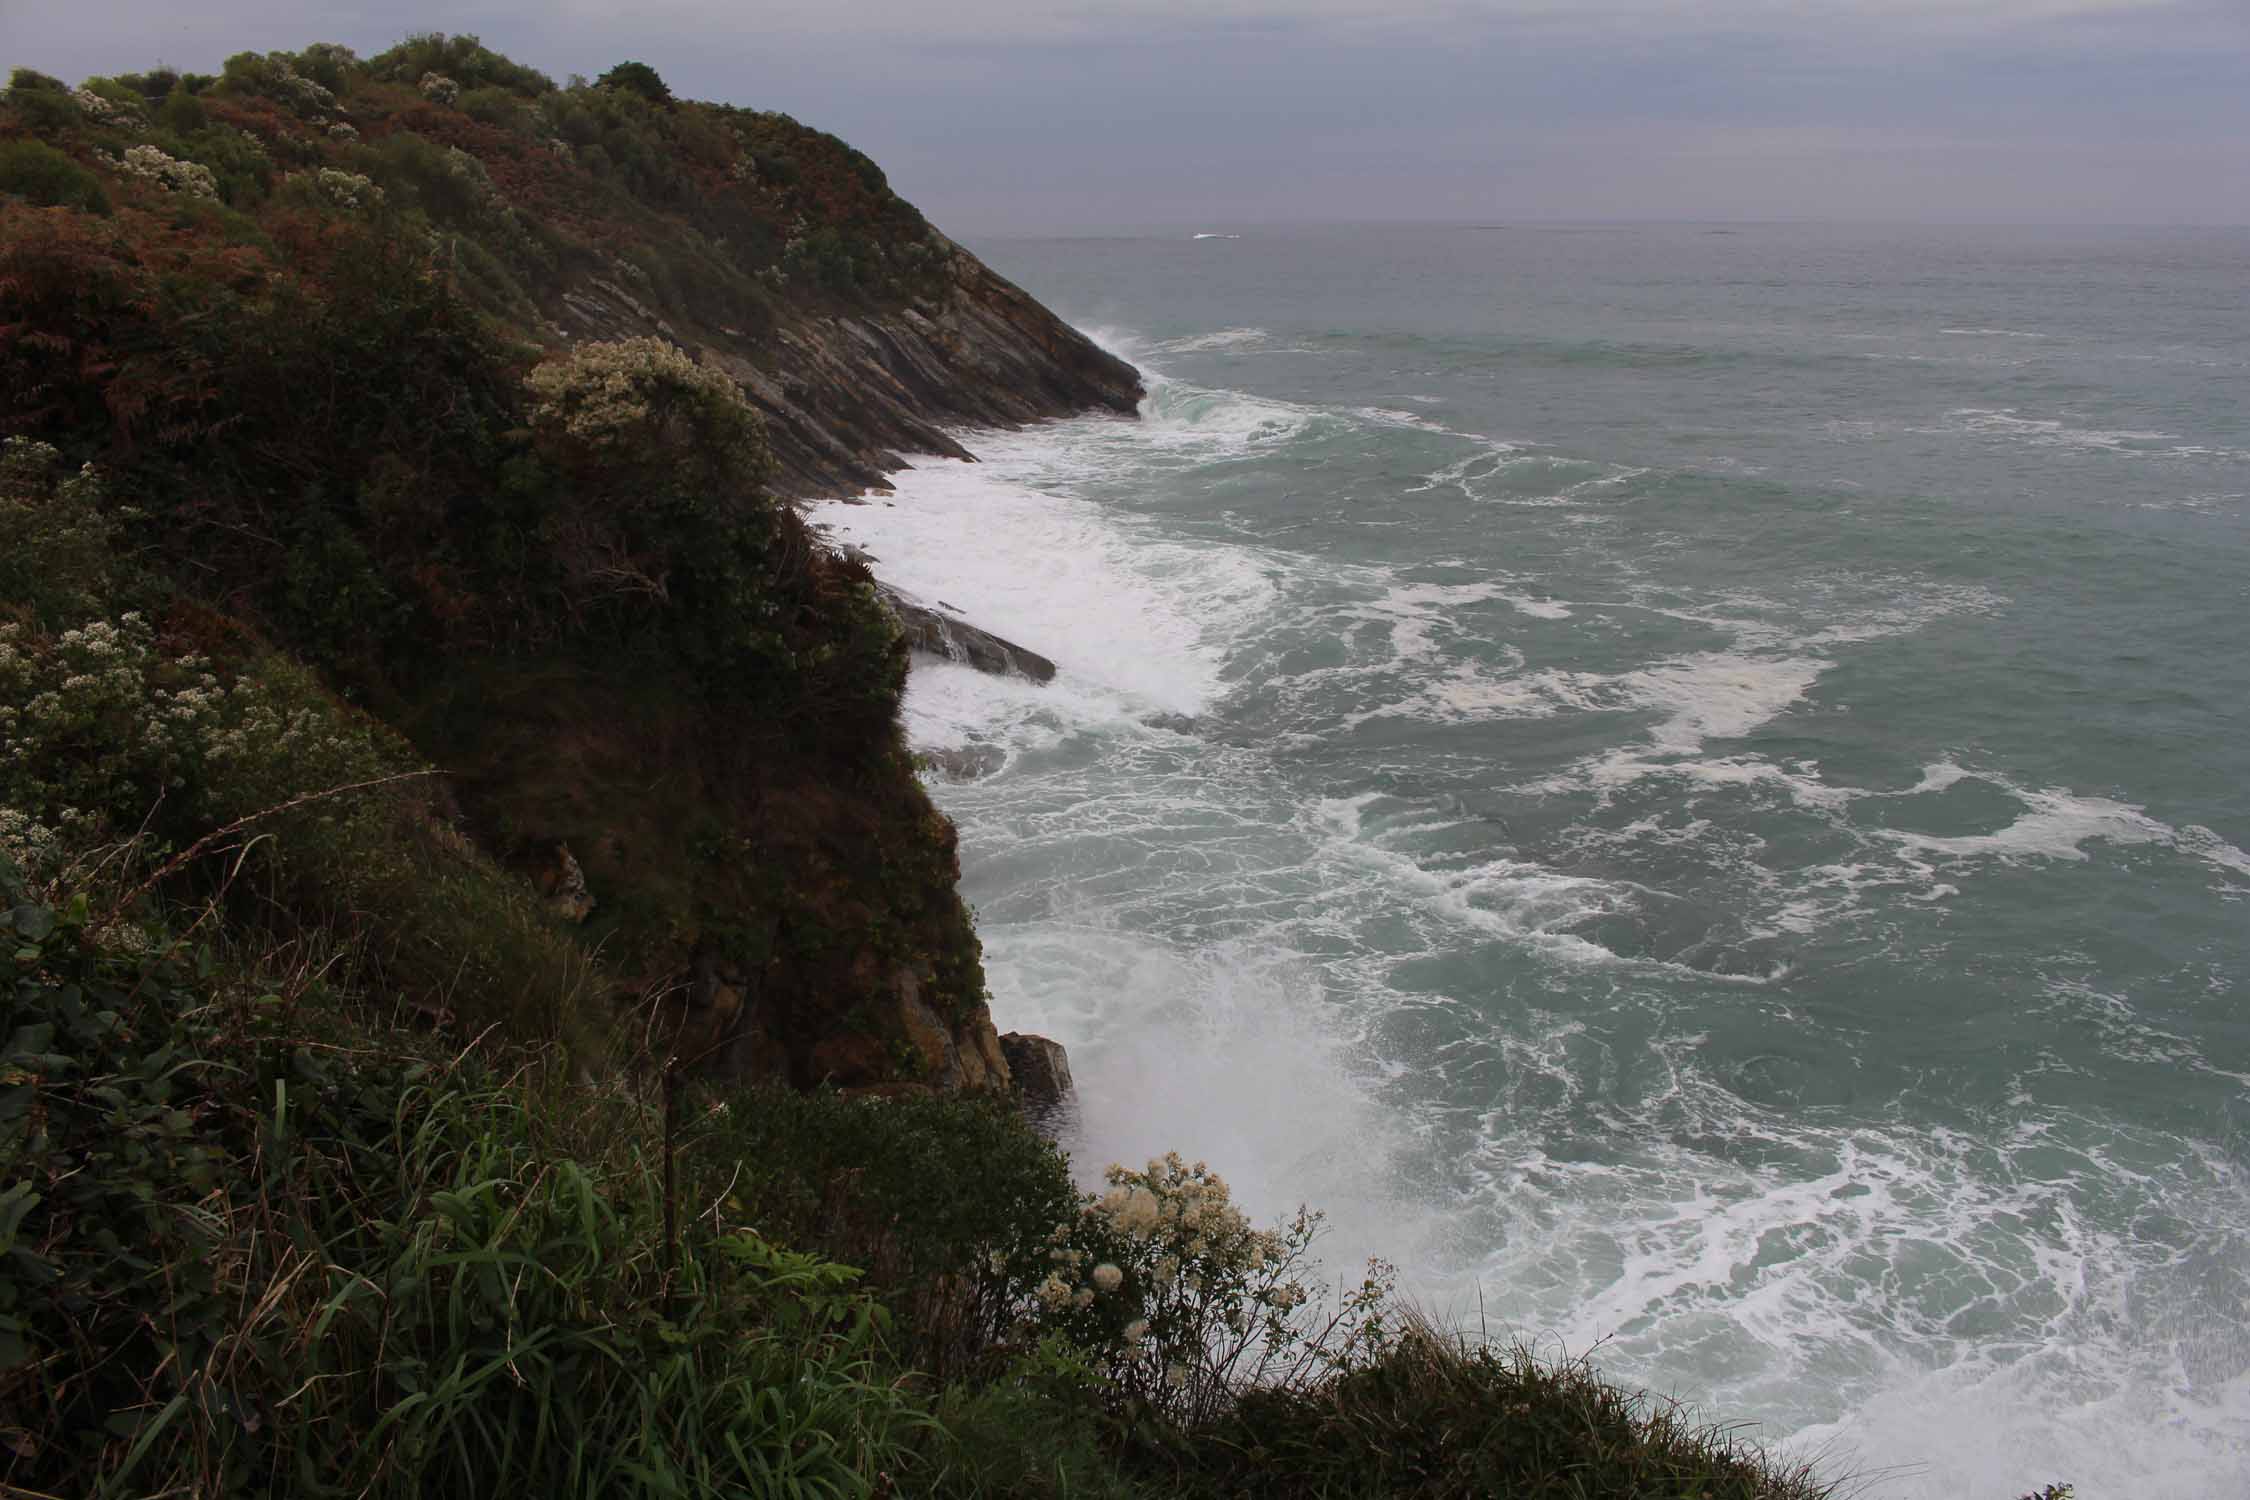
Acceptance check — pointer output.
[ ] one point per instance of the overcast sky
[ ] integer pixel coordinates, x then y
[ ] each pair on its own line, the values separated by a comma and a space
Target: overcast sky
996, 116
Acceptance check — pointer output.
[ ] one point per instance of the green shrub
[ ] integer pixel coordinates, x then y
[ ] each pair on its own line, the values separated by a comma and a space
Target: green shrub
235, 1263
494, 105
330, 64
152, 87
637, 78
103, 733
461, 58
659, 519
35, 170
56, 568
1434, 1417
42, 103
182, 113
1037, 1432
274, 75
241, 168
944, 1199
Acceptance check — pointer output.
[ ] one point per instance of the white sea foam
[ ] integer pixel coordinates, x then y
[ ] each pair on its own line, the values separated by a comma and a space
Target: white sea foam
1417, 613
1998, 333
1063, 577
1494, 898
1224, 1052
2053, 432
1862, 1279
2056, 824
1225, 338
1699, 697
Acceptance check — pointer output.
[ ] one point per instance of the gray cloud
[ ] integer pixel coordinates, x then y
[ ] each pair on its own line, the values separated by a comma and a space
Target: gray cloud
994, 115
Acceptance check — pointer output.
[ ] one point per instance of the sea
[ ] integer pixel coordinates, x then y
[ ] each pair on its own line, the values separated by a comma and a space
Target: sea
1685, 785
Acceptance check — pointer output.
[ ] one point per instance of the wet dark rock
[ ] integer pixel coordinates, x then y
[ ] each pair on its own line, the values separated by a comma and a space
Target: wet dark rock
965, 762
955, 639
1040, 1070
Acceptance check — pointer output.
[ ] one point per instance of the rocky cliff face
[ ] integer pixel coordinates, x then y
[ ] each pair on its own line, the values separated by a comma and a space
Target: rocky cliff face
846, 393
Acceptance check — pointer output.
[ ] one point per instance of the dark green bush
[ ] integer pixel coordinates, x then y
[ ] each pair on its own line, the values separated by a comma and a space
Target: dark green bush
153, 86
462, 58
494, 105
638, 78
946, 1200
331, 65
1435, 1417
35, 170
182, 113
274, 75
42, 103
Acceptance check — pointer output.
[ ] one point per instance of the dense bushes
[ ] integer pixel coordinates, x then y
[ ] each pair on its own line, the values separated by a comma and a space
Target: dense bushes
37, 171
239, 1260
1431, 1416
946, 1201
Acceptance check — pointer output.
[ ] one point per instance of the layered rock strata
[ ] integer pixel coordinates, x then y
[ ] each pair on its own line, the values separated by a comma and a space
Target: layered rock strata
846, 394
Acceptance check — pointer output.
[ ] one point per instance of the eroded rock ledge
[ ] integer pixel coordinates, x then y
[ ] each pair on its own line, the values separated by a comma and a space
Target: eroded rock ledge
941, 633
846, 394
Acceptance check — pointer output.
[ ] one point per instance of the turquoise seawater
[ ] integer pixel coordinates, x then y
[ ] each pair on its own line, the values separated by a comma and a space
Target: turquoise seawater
1686, 784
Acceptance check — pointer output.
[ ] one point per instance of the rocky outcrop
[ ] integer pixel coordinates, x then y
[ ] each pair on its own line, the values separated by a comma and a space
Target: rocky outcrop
563, 884
845, 395
965, 762
941, 633
1040, 1070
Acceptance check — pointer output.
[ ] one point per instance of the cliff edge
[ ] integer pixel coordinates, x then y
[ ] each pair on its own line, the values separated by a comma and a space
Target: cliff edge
422, 407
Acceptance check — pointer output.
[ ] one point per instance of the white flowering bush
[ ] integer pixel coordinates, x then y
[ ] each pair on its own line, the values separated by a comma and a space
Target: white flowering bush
107, 111
1181, 1302
349, 190
36, 850
439, 89
308, 96
94, 718
156, 165
606, 394
471, 172
99, 725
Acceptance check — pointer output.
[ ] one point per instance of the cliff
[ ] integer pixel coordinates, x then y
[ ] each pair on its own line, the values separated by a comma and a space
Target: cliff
439, 771
845, 393
473, 401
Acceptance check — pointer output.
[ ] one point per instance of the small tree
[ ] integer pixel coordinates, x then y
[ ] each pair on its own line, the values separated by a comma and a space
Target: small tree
636, 78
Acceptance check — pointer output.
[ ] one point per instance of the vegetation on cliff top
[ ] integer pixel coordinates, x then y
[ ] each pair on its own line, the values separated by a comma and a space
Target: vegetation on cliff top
355, 638
290, 325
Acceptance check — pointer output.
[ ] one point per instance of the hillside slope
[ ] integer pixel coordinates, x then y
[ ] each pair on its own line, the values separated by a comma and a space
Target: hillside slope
469, 400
